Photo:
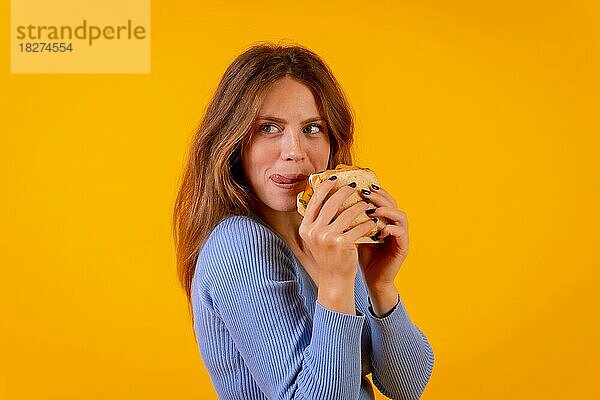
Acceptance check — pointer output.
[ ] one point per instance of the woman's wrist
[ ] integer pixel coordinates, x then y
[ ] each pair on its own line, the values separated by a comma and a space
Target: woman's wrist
384, 300
337, 294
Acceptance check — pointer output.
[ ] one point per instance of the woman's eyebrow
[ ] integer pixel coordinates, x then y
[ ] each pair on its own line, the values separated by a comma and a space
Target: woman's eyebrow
283, 121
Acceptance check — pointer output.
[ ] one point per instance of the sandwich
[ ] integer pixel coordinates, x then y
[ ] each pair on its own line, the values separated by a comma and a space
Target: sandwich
346, 174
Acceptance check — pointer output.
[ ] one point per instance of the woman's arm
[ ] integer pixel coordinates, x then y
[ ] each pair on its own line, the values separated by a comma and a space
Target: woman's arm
249, 275
402, 358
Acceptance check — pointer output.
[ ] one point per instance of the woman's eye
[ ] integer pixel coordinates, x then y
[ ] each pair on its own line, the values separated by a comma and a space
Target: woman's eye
319, 127
267, 126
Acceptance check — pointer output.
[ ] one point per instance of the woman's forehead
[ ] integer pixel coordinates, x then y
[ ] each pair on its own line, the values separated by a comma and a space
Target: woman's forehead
287, 93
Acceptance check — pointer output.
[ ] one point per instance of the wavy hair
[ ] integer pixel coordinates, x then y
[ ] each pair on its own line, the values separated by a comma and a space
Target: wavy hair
212, 185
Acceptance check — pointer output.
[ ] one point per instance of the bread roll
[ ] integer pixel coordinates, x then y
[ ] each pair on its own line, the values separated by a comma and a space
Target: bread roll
346, 174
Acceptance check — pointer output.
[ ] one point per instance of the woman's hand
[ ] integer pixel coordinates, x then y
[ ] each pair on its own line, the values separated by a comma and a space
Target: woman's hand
380, 263
331, 248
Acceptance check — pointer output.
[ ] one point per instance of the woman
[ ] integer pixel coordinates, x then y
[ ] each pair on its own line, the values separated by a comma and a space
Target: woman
280, 310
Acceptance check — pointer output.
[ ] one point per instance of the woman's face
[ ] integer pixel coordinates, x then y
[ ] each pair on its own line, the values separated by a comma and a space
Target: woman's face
289, 142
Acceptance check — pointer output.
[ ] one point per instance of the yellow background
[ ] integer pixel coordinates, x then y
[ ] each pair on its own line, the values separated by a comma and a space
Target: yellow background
480, 117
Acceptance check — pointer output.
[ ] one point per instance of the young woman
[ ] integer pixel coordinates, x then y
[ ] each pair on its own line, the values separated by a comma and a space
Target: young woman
280, 308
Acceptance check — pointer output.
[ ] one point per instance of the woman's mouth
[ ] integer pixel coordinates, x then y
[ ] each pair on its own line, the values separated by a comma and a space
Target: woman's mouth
290, 182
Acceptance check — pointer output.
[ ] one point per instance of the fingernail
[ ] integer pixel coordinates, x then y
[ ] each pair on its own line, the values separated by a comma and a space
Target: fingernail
374, 219
366, 201
375, 237
332, 178
374, 186
365, 192
353, 184
371, 211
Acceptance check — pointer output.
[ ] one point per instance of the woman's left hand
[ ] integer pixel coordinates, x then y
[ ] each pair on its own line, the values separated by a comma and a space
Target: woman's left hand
380, 263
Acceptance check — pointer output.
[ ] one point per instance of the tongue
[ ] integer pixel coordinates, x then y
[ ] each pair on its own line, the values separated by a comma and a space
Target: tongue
281, 179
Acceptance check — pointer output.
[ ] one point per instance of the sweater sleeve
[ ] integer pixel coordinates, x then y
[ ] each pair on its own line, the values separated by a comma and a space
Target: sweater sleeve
254, 291
402, 357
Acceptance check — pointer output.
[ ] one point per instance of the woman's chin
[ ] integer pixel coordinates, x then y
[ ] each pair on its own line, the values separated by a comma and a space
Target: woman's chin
283, 206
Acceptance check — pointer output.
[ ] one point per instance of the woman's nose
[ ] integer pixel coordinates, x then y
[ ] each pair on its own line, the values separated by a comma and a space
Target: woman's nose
293, 146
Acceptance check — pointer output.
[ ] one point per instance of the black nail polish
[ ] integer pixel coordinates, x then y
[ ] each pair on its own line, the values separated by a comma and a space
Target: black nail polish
374, 219
371, 211
332, 178
375, 237
353, 184
366, 201
374, 186
365, 192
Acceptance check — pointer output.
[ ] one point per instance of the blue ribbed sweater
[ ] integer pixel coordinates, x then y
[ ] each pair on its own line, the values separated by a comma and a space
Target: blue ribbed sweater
262, 334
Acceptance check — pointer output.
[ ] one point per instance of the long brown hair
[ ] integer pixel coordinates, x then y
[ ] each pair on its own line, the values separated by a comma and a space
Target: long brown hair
212, 185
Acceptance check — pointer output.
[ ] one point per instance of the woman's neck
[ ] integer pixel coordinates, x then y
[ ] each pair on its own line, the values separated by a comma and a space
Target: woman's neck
285, 223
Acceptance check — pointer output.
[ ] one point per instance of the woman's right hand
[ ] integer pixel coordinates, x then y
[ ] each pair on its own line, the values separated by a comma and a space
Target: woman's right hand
327, 238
